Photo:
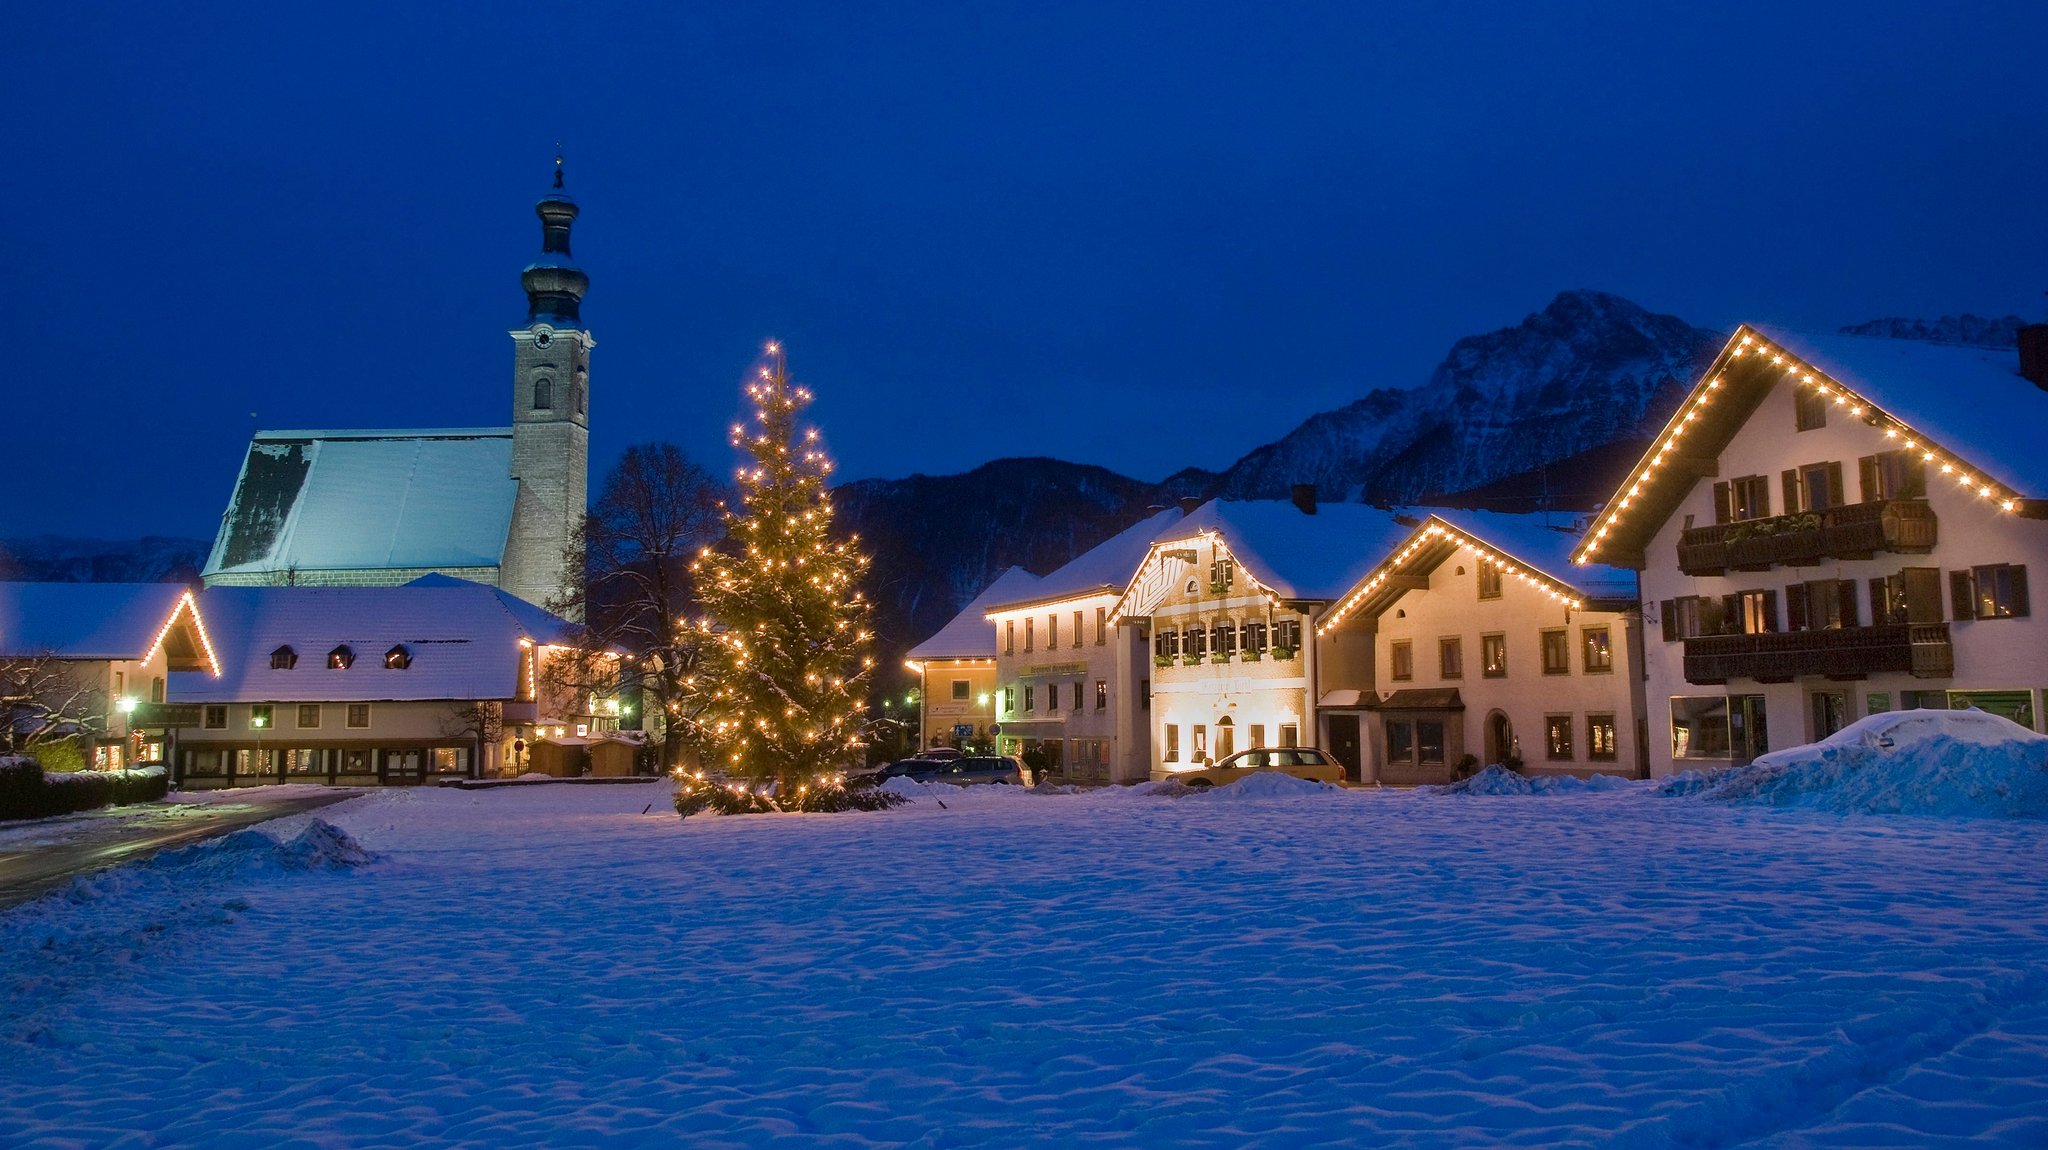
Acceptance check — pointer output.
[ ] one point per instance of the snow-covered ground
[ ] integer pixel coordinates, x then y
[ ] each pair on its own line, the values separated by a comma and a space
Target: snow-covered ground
574, 966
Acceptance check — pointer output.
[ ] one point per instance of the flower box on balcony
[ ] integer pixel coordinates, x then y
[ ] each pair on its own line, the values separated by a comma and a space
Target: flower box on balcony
1251, 656
1162, 660
1190, 660
1220, 657
1282, 654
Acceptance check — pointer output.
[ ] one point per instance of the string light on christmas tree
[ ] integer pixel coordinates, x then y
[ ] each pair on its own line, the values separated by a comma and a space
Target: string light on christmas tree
784, 629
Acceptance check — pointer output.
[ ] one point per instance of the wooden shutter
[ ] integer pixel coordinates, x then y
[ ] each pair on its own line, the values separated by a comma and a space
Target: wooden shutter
1670, 614
1962, 594
1869, 478
1880, 603
1770, 610
2019, 590
1923, 594
1835, 492
1845, 594
1795, 607
1723, 505
1790, 482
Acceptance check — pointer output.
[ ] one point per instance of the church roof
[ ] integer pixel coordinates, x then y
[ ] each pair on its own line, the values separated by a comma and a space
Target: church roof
356, 500
463, 641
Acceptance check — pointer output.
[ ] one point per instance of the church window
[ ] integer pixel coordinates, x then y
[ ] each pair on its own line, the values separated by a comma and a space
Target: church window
283, 659
341, 658
543, 394
397, 658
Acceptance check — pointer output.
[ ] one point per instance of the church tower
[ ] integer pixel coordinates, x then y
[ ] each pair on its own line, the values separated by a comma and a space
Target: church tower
550, 411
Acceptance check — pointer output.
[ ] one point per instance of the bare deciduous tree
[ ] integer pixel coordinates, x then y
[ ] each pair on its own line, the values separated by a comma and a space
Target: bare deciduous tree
44, 699
653, 515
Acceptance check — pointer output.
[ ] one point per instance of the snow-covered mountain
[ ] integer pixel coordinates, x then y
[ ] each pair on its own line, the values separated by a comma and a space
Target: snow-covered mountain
1588, 370
67, 559
1974, 330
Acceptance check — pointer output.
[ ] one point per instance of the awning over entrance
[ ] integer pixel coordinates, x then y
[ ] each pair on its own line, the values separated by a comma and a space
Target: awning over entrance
1421, 699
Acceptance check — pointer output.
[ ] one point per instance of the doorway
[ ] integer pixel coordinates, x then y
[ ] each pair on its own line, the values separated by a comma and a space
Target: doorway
1500, 738
1344, 745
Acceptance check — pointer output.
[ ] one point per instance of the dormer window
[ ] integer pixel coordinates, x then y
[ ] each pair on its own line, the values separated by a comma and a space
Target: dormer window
341, 658
283, 659
397, 658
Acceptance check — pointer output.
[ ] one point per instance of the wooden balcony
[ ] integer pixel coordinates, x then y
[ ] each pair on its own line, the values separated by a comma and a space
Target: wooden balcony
1853, 531
1920, 649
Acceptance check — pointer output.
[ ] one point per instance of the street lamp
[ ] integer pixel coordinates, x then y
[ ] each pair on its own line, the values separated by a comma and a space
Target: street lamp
257, 723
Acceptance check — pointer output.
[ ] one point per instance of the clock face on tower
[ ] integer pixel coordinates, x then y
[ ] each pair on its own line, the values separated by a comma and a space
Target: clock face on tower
543, 338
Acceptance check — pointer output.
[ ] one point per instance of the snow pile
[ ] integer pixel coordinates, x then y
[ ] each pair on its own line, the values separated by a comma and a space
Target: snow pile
1272, 785
1948, 763
1498, 780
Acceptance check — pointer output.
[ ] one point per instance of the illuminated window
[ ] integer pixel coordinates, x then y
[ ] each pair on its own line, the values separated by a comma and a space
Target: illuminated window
1596, 650
1600, 743
1198, 741
1740, 499
1996, 591
1172, 753
1557, 737
1557, 653
397, 658
341, 658
1493, 656
1101, 694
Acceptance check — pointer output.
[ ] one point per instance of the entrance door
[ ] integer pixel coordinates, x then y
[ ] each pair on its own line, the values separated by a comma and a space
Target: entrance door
1344, 745
1500, 739
1830, 713
403, 768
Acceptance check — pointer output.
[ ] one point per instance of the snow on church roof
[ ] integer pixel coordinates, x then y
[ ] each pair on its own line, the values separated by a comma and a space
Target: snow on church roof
968, 635
328, 500
463, 640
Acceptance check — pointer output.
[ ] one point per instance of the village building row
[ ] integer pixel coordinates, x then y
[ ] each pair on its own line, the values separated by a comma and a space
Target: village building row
1828, 527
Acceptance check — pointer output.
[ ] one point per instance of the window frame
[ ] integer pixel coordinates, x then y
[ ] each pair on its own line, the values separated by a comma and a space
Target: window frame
349, 717
1557, 739
299, 717
210, 713
1488, 579
1594, 722
1450, 657
1605, 664
1401, 661
1556, 646
1489, 667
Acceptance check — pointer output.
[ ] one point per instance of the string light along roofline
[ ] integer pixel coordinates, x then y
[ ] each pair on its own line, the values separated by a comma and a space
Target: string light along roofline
1157, 551
1431, 530
1748, 342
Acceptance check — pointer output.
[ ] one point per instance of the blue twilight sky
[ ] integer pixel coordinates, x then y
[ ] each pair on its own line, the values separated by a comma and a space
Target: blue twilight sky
1145, 236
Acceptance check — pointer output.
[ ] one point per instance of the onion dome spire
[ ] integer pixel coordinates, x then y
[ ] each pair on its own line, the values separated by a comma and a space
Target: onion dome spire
554, 284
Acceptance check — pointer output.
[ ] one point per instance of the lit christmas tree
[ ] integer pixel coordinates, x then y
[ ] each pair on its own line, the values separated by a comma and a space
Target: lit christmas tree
780, 691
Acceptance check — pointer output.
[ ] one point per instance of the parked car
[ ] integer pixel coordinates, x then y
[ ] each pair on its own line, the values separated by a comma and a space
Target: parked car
965, 769
1301, 762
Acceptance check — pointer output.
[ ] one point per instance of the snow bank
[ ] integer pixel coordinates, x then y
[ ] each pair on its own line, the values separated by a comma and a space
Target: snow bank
1271, 785
1498, 780
1947, 763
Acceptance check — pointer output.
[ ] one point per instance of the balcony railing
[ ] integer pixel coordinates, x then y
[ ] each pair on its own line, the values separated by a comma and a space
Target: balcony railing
1850, 531
1920, 649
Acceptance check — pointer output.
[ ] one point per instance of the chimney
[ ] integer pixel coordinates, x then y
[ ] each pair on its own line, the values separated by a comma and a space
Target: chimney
1188, 504
1304, 496
2034, 354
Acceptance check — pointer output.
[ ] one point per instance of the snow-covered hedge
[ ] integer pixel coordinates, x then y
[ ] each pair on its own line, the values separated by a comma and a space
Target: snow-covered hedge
27, 792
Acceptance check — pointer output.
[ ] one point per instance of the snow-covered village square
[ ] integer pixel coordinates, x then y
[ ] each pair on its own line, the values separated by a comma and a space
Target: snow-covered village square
1367, 575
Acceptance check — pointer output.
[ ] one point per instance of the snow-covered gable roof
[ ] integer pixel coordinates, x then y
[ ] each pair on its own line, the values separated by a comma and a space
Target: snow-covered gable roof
1966, 408
1973, 400
968, 635
353, 500
91, 620
1529, 547
1102, 569
1294, 554
1544, 542
463, 639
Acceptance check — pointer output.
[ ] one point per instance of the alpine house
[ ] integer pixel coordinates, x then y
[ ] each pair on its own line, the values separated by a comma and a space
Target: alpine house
1832, 526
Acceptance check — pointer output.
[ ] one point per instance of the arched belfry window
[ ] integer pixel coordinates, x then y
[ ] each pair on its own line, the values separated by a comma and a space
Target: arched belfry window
543, 394
340, 658
283, 659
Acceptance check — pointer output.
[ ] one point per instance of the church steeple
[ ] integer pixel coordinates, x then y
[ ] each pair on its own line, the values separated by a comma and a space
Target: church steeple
554, 284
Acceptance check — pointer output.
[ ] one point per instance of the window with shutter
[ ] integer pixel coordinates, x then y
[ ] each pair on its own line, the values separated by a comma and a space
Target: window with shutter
1670, 619
1723, 508
1962, 594
1795, 607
